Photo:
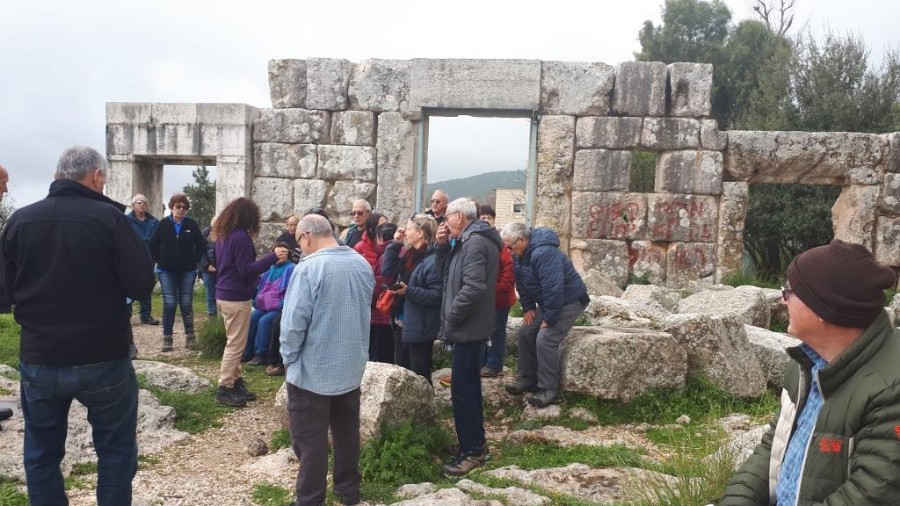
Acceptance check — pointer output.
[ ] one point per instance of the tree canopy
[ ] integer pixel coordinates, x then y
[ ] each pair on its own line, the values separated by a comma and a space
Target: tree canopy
202, 194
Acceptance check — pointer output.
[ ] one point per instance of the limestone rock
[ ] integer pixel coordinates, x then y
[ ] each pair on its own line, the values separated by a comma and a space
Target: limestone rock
691, 89
698, 172
353, 128
287, 83
733, 205
893, 310
346, 163
327, 80
275, 197
551, 412
640, 89
284, 160
380, 85
620, 363
390, 396
598, 284
576, 88
292, 126
711, 137
513, 324
890, 197
415, 490
747, 303
676, 217
683, 420
274, 466
661, 134
648, 260
777, 309
608, 132
769, 348
615, 312
256, 447
602, 170
892, 162
854, 217
555, 160
887, 240
688, 261
717, 348
309, 193
609, 215
343, 193
281, 402
600, 436
608, 257
447, 497
513, 495
665, 298
742, 442
171, 377
582, 414
396, 152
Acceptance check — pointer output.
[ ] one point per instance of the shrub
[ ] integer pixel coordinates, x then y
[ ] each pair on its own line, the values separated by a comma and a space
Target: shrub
211, 337
403, 454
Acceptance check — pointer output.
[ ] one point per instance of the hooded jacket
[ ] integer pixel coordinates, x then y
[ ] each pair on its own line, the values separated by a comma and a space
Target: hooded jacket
546, 277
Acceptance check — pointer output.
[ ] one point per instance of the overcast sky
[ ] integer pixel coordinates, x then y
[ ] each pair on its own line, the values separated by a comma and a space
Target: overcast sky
61, 61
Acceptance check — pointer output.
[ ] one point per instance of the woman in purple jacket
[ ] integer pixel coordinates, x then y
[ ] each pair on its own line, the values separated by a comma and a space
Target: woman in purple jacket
238, 275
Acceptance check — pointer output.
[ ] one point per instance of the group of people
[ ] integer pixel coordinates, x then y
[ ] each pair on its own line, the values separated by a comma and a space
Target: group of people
70, 262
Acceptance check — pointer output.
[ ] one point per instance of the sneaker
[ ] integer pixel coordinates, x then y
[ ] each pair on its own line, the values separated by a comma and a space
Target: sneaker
445, 380
487, 372
465, 463
257, 361
544, 398
241, 390
521, 386
275, 370
151, 321
229, 397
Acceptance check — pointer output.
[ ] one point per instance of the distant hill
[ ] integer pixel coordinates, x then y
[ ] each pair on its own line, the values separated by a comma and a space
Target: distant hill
479, 187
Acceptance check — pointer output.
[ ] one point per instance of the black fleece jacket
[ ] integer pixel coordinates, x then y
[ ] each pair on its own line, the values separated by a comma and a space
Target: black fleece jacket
177, 252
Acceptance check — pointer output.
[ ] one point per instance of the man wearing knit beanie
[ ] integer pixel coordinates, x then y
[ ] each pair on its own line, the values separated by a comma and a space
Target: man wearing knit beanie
836, 439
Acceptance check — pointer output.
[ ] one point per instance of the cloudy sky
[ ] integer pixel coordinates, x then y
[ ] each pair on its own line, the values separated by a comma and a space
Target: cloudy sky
62, 61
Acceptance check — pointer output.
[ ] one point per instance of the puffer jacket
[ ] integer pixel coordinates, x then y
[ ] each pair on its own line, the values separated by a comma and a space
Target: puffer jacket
853, 455
546, 277
422, 303
469, 272
506, 281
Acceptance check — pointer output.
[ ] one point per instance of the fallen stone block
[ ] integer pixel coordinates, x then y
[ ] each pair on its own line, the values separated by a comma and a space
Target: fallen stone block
748, 303
770, 350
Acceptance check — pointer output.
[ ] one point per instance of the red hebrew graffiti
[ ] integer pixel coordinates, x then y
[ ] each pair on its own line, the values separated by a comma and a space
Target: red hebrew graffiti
682, 220
613, 220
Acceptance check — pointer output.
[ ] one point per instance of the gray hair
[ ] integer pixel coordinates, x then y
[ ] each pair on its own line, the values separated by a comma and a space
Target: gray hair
515, 230
78, 162
314, 225
139, 196
365, 204
466, 206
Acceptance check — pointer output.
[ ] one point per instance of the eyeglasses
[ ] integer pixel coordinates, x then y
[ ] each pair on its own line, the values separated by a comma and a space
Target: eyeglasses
136, 202
358, 213
179, 206
436, 201
786, 292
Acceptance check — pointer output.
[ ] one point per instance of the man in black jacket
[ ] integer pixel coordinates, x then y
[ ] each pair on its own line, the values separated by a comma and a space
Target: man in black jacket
67, 264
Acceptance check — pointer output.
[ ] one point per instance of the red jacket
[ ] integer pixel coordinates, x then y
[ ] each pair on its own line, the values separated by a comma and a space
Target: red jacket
368, 249
506, 281
373, 254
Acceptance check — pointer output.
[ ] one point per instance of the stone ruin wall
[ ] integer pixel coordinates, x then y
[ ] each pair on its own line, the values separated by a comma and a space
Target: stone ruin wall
339, 130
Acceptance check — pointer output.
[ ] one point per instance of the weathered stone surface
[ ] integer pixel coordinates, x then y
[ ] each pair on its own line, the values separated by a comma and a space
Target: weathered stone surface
343, 193
327, 80
609, 215
665, 298
661, 134
718, 349
284, 160
346, 162
608, 257
555, 160
171, 377
233, 176
640, 89
611, 133
892, 161
513, 495
690, 85
576, 88
153, 139
602, 170
743, 436
292, 126
648, 260
598, 284
180, 113
746, 303
620, 363
698, 172
396, 147
380, 85
710, 136
769, 348
686, 261
353, 128
474, 84
448, 497
127, 113
390, 396
233, 140
274, 466
733, 205
287, 83
225, 115
890, 195
256, 447
268, 233
551, 412
887, 240
275, 197
853, 214
777, 308
689, 218
415, 490
802, 157
600, 436
309, 193
607, 311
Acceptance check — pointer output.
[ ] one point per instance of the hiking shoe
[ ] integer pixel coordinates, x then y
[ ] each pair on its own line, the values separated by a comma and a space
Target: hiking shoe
275, 370
544, 398
241, 390
452, 450
465, 463
487, 372
445, 380
5, 414
167, 344
257, 361
151, 321
521, 386
190, 342
229, 397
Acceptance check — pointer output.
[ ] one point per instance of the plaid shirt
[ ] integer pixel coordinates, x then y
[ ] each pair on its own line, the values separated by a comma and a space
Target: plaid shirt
789, 480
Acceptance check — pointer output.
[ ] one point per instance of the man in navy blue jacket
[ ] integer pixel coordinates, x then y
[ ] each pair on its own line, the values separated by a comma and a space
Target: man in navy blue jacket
143, 223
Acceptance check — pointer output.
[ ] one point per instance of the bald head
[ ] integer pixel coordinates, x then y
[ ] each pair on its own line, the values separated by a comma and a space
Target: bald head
4, 178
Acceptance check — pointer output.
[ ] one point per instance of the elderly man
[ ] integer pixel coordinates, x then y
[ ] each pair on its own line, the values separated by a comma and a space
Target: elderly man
836, 439
553, 296
362, 209
469, 266
289, 236
67, 263
143, 223
438, 209
324, 343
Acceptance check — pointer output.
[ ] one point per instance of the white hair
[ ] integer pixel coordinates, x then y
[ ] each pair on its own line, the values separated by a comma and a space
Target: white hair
78, 162
365, 203
139, 196
515, 230
466, 206
314, 225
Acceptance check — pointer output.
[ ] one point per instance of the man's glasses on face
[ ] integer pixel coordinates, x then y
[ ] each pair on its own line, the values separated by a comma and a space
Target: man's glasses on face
136, 202
786, 292
357, 213
437, 201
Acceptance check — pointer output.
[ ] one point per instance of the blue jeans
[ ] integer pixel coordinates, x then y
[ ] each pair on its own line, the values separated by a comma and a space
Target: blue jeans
209, 283
465, 394
144, 308
260, 333
177, 289
109, 391
492, 356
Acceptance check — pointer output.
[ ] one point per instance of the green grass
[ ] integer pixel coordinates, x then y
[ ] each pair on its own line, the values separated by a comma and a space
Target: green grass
280, 439
211, 337
194, 412
76, 480
10, 494
540, 455
266, 494
9, 341
404, 454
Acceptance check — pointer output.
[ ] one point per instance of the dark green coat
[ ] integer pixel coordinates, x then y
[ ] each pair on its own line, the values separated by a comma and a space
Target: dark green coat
854, 454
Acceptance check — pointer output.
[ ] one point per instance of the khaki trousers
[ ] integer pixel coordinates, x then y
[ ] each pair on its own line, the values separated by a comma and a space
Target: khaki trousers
237, 325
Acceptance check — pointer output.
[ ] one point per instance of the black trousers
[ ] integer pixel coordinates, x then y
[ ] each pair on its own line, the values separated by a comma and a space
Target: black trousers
420, 355
311, 415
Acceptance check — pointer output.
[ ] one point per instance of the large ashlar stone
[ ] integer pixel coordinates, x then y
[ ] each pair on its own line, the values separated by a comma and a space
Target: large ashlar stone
287, 83
396, 147
602, 170
292, 126
746, 303
688, 218
608, 215
153, 139
390, 396
665, 298
733, 206
233, 179
343, 193
135, 113
555, 161
640, 89
605, 311
233, 140
647, 259
670, 133
576, 88
690, 261
777, 308
620, 363
474, 84
610, 133
308, 194
327, 80
690, 85
892, 163
597, 284
853, 214
698, 172
380, 85
354, 128
284, 160
608, 257
346, 162
887, 240
275, 197
226, 114
711, 137
717, 348
804, 157
171, 377
890, 196
770, 350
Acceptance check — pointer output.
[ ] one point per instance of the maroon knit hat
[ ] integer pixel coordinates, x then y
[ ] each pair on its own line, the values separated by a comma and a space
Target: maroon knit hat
841, 282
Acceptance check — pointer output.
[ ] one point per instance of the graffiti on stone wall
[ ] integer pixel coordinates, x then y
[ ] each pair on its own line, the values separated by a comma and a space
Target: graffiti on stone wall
614, 220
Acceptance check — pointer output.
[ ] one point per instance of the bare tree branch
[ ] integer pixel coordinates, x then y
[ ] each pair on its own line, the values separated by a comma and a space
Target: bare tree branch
777, 15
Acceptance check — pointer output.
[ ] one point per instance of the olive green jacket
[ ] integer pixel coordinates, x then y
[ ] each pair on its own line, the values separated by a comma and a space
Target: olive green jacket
853, 457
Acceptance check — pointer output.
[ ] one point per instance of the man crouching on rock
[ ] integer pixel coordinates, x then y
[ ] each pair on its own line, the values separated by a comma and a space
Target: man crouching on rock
325, 345
836, 440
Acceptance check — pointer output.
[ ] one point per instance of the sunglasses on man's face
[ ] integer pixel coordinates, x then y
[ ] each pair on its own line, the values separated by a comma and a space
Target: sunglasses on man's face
136, 202
436, 201
357, 213
786, 292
